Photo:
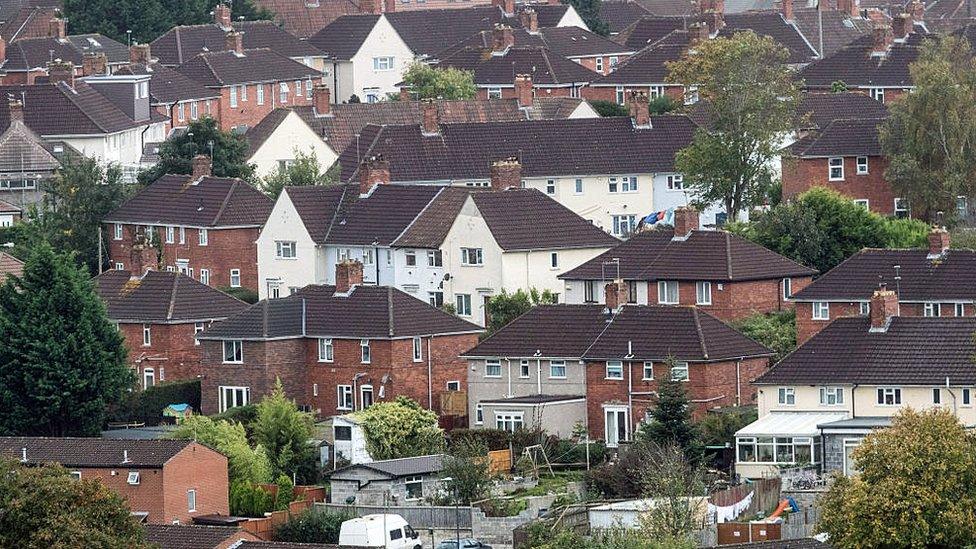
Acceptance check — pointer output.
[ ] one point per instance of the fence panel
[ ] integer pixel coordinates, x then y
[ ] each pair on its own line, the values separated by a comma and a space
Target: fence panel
418, 517
765, 499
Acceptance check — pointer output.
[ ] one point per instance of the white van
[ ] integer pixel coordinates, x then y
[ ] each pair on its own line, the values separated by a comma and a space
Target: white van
388, 531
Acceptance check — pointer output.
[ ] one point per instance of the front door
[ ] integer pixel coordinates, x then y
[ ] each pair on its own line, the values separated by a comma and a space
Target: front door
616, 426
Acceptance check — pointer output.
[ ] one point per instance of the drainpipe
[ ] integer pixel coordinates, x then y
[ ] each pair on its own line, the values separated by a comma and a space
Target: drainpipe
538, 375
630, 393
509, 362
430, 378
738, 384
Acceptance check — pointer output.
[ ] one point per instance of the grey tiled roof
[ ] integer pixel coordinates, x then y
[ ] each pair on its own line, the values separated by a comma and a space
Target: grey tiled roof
162, 297
619, 14
403, 467
376, 312
564, 41
647, 332
225, 68
854, 65
915, 351
185, 536
92, 452
842, 138
648, 66
182, 43
167, 85
58, 109
33, 53
546, 67
824, 108
304, 18
771, 24
22, 150
839, 29
705, 255
343, 37
427, 32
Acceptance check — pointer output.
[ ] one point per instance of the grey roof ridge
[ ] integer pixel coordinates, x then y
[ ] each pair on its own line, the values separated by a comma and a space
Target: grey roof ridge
172, 297
701, 334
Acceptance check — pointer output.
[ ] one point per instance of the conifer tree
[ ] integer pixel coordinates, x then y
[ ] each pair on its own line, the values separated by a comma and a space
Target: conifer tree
671, 421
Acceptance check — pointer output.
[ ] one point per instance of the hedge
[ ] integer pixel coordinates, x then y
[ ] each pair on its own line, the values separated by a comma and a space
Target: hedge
147, 406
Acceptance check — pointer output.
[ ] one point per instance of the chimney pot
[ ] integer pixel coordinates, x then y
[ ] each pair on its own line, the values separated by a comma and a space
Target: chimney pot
640, 109
94, 63
349, 273
685, 221
430, 118
901, 26
884, 305
523, 89
56, 28
881, 39
140, 53
16, 109
201, 167
234, 41
506, 174
529, 19
61, 71
222, 15
374, 170
502, 38
788, 9
938, 242
322, 100
616, 294
507, 6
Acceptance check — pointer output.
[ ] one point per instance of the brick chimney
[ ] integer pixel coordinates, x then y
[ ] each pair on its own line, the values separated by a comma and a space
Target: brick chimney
201, 167
639, 109
322, 100
349, 273
502, 38
917, 10
901, 26
523, 89
56, 28
507, 6
715, 20
884, 305
849, 7
506, 174
881, 39
94, 63
3, 50
405, 94
938, 242
616, 294
429, 117
389, 6
221, 16
61, 71
140, 53
371, 7
374, 170
234, 41
697, 33
529, 19
685, 221
787, 8
16, 109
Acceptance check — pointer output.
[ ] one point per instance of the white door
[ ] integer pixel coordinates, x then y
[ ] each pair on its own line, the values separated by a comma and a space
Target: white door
849, 445
616, 425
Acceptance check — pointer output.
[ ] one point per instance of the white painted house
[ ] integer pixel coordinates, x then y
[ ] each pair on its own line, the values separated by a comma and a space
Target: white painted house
275, 142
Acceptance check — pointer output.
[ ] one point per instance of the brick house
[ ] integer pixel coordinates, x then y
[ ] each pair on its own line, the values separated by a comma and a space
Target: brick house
251, 82
198, 225
929, 282
163, 481
722, 273
26, 60
159, 315
559, 365
337, 348
644, 72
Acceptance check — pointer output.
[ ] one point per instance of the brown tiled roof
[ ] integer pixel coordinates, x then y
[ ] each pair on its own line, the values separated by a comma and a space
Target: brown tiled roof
704, 255
839, 28
348, 119
621, 14
303, 18
823, 108
854, 65
649, 30
7, 207
546, 67
225, 68
92, 452
317, 206
378, 312
915, 351
168, 86
648, 66
586, 146
57, 109
858, 137
182, 43
432, 224
289, 545
184, 536
162, 298
549, 15
210, 202
951, 276
33, 53
553, 108
24, 21
564, 41
647, 332
10, 265
663, 8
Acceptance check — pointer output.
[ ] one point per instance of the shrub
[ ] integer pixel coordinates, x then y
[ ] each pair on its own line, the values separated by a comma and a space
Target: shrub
774, 330
662, 104
147, 406
286, 493
493, 439
244, 294
312, 526
248, 500
609, 108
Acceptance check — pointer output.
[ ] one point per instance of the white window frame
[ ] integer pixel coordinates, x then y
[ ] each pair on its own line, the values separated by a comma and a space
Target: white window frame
931, 309
182, 235
834, 167
680, 372
525, 369
787, 289
599, 65
365, 351
472, 257
619, 95
664, 288
326, 349
494, 93
553, 366
118, 231
966, 397
383, 63
828, 394
462, 304
418, 349
170, 234
676, 182
203, 237
435, 258
345, 399
133, 478
878, 94
578, 186
259, 92
191, 501
205, 276
146, 335
820, 310
884, 392
550, 187
236, 355
703, 292
148, 378
283, 90
197, 328
286, 249
648, 371
506, 419
363, 391
479, 414
553, 260
959, 309
413, 480
862, 165
490, 367
615, 370
233, 98
236, 390
235, 278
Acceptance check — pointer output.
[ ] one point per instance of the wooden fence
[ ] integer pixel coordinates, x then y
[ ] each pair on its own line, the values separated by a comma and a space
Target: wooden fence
420, 517
264, 527
500, 462
765, 499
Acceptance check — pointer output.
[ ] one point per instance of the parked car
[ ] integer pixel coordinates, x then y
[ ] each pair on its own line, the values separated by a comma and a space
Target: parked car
466, 543
388, 531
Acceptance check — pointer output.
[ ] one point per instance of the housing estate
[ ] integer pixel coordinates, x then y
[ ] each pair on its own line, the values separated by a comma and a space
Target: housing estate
163, 481
25, 61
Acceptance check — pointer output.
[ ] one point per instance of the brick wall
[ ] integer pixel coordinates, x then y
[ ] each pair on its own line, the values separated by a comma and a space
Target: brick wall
205, 107
590, 62
250, 113
195, 468
145, 497
609, 93
802, 174
172, 353
226, 249
264, 361
736, 300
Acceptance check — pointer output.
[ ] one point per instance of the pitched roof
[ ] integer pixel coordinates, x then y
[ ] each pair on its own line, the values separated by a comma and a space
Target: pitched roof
915, 351
664, 8
182, 43
854, 65
552, 108
92, 452
208, 202
339, 129
834, 27
22, 150
7, 207
649, 30
10, 265
619, 14
648, 66
842, 138
402, 467
33, 53
303, 18
824, 108
704, 255
27, 21
773, 25
58, 109
427, 32
951, 276
187, 536
546, 67
549, 15
377, 312
545, 147
260, 133
564, 41
162, 297
225, 68
647, 332
512, 217
168, 85
344, 36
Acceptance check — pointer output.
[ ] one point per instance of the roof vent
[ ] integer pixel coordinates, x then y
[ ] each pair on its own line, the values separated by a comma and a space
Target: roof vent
23, 454
125, 457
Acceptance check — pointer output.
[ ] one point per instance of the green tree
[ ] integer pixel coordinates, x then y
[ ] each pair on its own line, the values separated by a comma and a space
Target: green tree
838, 86
505, 307
751, 96
400, 428
304, 171
44, 507
176, 153
284, 433
427, 82
930, 136
916, 487
312, 526
670, 419
820, 228
589, 11
677, 485
719, 428
662, 104
777, 331
244, 464
609, 108
467, 467
62, 363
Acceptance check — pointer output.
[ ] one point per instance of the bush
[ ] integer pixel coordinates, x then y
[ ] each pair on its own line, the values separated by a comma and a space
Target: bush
493, 439
777, 331
244, 294
609, 108
663, 104
312, 527
245, 415
248, 500
570, 451
718, 428
147, 406
286, 493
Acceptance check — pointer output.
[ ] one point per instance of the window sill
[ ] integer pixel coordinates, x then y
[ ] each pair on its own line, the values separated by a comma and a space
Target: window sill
233, 362
493, 377
286, 258
613, 378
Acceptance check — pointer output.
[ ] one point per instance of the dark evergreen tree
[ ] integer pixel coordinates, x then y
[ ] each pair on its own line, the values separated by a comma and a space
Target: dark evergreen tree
671, 421
62, 363
202, 136
589, 11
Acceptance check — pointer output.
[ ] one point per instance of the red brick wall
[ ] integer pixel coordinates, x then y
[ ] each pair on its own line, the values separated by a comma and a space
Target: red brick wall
590, 62
807, 327
171, 354
173, 113
540, 91
801, 174
145, 497
248, 112
264, 361
226, 249
736, 300
609, 93
195, 468
709, 385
